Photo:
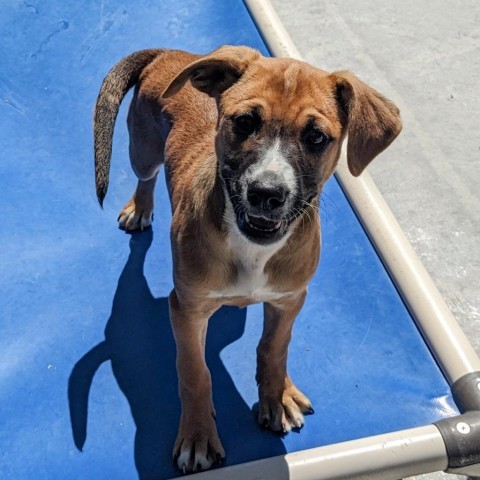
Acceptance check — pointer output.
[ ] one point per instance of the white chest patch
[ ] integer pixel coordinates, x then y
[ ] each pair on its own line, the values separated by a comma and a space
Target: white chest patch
250, 259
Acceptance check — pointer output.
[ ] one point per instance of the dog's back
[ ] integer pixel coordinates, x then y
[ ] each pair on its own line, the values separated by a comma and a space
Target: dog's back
150, 116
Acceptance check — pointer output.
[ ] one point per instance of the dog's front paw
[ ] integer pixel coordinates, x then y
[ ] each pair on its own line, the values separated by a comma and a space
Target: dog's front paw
283, 414
135, 216
197, 446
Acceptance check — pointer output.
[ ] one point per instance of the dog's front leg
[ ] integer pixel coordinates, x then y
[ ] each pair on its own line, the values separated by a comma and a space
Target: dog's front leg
197, 446
281, 404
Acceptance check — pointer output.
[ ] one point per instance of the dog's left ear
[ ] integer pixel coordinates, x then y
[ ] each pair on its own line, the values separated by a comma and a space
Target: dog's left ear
373, 121
215, 72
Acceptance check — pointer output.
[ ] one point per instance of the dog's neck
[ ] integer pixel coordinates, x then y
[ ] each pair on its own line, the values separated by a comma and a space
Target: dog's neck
249, 261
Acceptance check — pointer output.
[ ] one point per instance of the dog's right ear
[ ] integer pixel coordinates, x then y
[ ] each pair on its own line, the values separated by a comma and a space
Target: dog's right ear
215, 72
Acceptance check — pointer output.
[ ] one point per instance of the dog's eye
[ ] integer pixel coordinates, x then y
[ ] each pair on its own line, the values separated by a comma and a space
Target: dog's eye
315, 139
246, 124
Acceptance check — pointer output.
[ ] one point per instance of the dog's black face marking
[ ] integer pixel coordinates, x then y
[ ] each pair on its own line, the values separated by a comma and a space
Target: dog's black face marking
246, 124
271, 173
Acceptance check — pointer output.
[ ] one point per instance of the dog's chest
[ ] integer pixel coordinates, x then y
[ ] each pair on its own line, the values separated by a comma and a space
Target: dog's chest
251, 281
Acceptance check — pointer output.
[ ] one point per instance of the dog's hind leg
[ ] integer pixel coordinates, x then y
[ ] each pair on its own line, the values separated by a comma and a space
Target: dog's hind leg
137, 214
146, 156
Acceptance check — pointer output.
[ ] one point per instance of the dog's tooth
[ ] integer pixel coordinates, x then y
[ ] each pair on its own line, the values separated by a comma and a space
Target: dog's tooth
275, 226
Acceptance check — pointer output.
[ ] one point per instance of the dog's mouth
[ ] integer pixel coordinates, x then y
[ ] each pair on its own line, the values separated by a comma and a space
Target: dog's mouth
261, 222
262, 225
260, 229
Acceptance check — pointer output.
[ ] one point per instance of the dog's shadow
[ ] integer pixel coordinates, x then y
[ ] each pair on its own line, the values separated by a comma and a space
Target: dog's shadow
140, 345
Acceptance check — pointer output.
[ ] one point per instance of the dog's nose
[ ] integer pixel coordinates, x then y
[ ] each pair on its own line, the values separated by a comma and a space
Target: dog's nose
267, 194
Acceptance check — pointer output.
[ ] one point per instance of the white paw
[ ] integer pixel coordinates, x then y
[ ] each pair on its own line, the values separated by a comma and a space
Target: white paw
197, 450
132, 218
284, 415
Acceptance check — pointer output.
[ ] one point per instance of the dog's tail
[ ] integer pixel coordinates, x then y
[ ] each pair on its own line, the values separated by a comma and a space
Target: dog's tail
123, 76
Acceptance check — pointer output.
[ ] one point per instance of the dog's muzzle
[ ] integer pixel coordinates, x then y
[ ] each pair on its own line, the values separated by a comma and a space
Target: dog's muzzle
263, 214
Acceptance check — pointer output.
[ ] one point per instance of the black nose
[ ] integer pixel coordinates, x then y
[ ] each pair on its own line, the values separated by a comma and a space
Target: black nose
266, 194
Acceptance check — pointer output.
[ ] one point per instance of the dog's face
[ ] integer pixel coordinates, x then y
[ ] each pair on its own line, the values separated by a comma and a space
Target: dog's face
278, 141
280, 128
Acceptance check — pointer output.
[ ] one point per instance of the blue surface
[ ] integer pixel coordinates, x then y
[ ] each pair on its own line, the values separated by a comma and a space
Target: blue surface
77, 291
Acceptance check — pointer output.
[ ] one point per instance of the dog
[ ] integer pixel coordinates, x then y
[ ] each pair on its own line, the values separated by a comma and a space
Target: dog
248, 143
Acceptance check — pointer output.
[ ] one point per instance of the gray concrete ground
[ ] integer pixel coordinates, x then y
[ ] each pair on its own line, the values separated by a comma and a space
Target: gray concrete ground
426, 57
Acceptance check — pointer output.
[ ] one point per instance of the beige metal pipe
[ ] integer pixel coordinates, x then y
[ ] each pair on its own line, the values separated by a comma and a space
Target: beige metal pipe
382, 457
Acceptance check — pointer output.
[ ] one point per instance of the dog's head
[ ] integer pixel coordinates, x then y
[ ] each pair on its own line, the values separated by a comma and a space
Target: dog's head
280, 128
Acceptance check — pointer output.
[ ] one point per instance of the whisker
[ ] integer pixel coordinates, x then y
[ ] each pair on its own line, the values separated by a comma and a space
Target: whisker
326, 202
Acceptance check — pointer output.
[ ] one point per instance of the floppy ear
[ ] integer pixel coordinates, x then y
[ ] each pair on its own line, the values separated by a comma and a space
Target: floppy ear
215, 72
373, 121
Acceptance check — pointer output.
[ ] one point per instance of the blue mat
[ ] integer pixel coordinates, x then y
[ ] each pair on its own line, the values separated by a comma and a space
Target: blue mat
78, 291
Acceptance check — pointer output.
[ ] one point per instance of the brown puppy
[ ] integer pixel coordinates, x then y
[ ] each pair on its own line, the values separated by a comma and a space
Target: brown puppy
248, 143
